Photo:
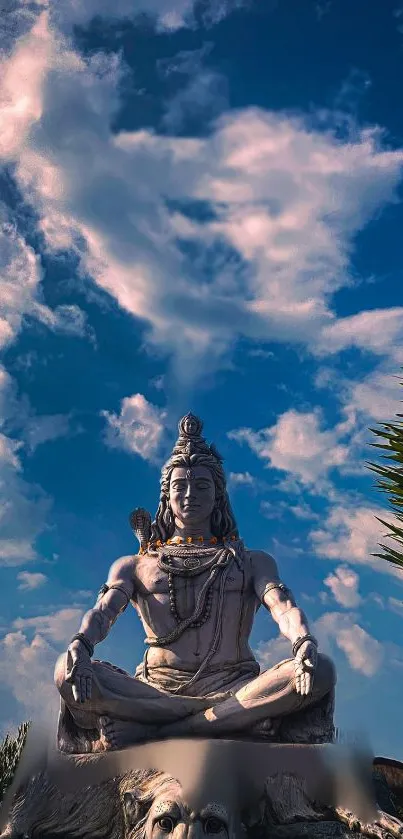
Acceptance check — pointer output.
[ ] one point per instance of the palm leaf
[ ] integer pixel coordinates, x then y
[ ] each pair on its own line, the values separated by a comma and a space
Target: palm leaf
10, 753
390, 482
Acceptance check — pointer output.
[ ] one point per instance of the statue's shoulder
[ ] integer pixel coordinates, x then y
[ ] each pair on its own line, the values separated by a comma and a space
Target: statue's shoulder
123, 568
262, 563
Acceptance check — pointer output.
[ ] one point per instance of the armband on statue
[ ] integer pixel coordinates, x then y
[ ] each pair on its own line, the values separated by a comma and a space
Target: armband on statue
302, 640
104, 590
283, 588
85, 642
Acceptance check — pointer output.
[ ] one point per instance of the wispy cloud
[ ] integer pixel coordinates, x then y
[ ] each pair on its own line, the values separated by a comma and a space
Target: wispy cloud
352, 534
379, 331
29, 581
343, 584
297, 444
168, 15
363, 652
39, 430
241, 479
139, 428
59, 626
23, 508
286, 200
28, 656
203, 96
26, 669
396, 605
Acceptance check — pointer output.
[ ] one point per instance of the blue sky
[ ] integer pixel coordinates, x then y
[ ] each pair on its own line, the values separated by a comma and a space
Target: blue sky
200, 210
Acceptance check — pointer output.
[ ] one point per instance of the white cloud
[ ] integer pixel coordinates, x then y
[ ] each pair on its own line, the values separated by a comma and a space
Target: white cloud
23, 509
203, 96
377, 396
20, 278
298, 445
269, 653
366, 401
138, 428
169, 15
351, 534
20, 290
379, 331
59, 626
26, 671
241, 479
23, 506
343, 584
31, 580
42, 429
23, 75
270, 510
286, 198
363, 652
16, 551
396, 605
27, 664
64, 318
301, 511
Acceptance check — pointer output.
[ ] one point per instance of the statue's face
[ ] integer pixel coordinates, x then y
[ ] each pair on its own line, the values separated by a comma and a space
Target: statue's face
191, 494
171, 818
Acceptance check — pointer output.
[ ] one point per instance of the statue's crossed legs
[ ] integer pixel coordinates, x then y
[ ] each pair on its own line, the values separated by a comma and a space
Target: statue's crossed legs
127, 709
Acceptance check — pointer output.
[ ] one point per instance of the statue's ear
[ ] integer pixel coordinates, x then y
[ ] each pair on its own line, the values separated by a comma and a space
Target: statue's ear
134, 808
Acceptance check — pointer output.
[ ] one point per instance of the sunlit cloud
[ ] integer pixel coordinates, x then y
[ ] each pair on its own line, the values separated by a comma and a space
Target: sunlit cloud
297, 444
30, 581
138, 429
343, 584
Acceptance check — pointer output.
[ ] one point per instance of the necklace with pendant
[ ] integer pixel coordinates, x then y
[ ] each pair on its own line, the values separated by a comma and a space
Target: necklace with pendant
190, 567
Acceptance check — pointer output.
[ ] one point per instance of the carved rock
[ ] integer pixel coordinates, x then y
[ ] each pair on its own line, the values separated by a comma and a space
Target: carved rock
122, 807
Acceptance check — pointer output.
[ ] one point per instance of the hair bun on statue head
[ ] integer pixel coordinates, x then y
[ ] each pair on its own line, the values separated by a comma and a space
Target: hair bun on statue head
190, 426
190, 441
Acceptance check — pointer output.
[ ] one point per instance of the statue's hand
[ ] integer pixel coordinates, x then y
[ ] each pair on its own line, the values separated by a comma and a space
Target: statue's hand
305, 666
79, 671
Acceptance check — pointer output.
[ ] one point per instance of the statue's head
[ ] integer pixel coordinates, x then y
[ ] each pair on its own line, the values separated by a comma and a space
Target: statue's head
196, 463
157, 810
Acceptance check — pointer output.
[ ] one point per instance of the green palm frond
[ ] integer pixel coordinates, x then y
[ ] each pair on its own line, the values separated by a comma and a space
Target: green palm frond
390, 481
10, 753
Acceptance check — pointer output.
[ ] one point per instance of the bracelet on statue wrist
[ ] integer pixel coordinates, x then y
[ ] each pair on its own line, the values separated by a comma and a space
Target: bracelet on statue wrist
85, 642
301, 640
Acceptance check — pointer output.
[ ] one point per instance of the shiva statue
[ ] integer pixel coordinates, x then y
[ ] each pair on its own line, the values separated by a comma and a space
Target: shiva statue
196, 588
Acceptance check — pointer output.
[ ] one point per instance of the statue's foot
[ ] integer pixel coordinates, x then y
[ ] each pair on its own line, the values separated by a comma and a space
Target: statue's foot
266, 729
116, 734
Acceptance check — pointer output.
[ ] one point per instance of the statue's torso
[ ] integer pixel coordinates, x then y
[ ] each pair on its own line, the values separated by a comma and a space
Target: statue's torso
152, 601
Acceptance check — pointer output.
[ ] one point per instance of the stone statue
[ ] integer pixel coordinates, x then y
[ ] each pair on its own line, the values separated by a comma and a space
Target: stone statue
237, 790
196, 588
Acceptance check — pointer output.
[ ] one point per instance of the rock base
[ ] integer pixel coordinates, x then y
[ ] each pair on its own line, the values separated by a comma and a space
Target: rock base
120, 808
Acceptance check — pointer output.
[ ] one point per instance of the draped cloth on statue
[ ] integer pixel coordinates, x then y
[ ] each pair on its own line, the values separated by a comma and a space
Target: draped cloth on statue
152, 702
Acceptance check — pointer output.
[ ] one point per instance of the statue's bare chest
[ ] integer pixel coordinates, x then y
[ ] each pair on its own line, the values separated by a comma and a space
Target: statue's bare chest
154, 581
163, 599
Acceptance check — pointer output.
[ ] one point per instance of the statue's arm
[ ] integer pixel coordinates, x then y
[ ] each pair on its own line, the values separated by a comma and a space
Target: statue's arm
277, 597
112, 601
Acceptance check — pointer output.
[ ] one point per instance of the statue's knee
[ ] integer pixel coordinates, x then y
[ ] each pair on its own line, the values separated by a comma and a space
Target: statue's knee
327, 672
60, 672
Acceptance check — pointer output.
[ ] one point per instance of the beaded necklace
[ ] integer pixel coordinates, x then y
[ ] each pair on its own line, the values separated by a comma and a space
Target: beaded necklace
222, 561
191, 566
